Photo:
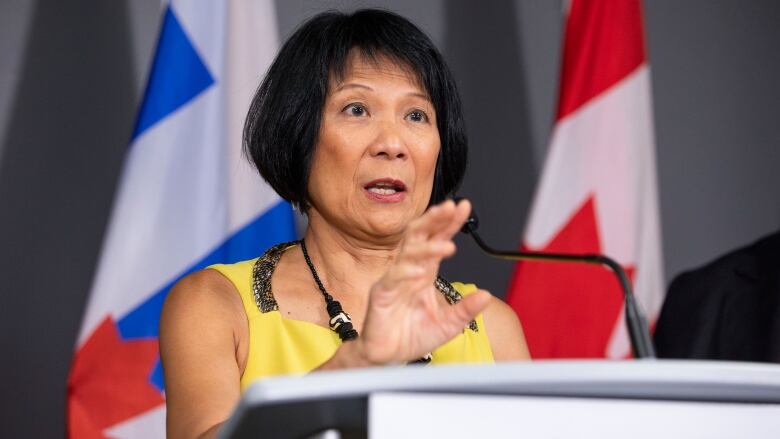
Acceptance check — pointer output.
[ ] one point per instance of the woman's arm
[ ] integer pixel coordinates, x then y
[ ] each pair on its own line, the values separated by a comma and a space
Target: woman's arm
202, 333
504, 332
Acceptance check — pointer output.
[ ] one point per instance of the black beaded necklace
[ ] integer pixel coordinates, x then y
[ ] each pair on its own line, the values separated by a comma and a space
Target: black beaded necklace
340, 322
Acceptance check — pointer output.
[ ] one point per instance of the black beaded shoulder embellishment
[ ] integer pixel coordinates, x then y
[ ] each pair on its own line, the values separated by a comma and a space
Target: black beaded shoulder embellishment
266, 264
453, 296
261, 277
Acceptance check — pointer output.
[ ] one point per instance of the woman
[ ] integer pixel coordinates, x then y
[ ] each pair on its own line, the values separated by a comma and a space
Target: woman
358, 122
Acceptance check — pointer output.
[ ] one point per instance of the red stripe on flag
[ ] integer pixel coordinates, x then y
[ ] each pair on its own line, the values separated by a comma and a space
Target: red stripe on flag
604, 42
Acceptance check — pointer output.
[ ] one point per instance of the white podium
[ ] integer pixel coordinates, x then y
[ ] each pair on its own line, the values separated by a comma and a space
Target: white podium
549, 399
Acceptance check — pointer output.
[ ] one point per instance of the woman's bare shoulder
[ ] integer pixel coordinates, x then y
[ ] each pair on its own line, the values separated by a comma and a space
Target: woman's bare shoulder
504, 331
205, 296
201, 331
204, 286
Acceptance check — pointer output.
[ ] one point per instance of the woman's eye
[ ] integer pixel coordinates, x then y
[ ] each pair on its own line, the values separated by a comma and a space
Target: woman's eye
418, 116
355, 110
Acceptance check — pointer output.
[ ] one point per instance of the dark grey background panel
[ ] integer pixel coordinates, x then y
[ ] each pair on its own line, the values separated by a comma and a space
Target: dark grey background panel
715, 70
67, 129
490, 73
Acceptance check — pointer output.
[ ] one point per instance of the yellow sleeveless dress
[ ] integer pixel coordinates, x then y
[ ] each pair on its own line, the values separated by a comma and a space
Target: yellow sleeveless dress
283, 346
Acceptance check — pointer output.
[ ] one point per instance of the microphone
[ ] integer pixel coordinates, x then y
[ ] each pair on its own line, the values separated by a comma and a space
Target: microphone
638, 330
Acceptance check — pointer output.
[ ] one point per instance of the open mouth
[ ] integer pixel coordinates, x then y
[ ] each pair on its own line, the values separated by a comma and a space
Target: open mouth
385, 186
385, 189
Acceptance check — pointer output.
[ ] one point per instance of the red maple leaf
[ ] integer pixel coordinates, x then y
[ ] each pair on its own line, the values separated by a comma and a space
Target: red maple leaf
568, 310
109, 381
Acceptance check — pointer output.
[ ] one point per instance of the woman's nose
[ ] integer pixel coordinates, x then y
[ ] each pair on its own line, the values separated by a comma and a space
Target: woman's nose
389, 143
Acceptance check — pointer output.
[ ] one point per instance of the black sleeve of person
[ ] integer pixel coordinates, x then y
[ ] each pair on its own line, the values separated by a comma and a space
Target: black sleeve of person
726, 310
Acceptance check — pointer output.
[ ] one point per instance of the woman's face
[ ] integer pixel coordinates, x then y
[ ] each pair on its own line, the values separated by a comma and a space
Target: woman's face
375, 158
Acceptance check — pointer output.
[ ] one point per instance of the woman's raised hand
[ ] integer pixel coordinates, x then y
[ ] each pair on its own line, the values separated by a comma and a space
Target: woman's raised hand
406, 316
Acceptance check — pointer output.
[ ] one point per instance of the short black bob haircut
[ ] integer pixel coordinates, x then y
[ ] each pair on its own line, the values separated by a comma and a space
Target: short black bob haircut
283, 123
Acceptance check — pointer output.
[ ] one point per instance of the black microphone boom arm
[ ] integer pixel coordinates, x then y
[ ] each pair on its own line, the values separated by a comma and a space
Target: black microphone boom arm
638, 330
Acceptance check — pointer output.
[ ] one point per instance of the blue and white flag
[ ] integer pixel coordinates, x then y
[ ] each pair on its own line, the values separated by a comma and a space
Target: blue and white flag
187, 199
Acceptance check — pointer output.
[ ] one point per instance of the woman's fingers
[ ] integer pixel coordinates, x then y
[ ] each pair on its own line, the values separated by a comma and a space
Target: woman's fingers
459, 216
440, 222
443, 220
428, 241
432, 221
429, 238
461, 313
430, 250
401, 272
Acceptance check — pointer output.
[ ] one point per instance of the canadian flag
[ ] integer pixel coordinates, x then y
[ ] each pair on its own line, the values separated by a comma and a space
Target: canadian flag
597, 194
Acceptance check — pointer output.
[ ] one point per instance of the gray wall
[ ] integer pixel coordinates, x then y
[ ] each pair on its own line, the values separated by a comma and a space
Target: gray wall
715, 70
71, 75
66, 127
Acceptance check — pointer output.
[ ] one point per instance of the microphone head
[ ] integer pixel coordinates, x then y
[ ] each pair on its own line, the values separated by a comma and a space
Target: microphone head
472, 223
